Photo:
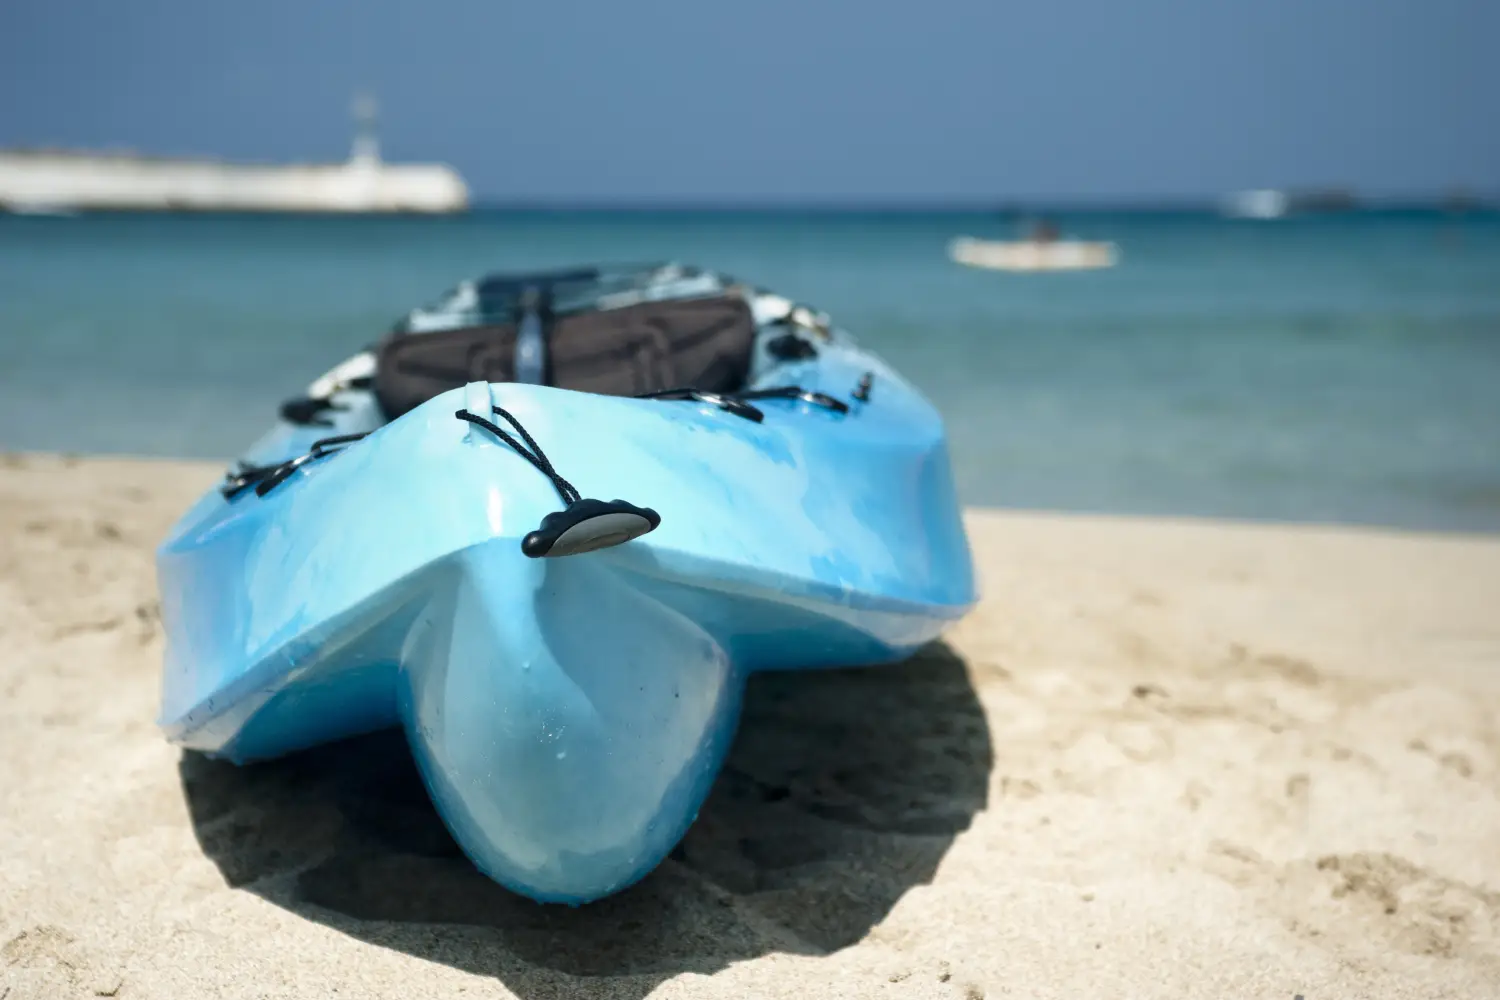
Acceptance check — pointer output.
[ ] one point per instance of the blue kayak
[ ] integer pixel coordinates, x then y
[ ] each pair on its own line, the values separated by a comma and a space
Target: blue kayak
558, 594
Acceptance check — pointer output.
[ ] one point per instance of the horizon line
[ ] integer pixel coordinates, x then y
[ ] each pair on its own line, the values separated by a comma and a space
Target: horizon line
999, 206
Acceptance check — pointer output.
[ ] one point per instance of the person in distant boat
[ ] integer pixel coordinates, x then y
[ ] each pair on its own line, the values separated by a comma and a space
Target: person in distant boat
1044, 231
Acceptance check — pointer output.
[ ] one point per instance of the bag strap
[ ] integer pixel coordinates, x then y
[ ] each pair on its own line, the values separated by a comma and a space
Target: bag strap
530, 363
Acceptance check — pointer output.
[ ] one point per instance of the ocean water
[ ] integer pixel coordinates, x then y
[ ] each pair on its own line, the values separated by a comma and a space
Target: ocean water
1334, 369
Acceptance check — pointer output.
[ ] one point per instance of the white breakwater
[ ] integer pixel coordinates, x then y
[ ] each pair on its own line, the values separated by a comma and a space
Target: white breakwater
43, 181
53, 181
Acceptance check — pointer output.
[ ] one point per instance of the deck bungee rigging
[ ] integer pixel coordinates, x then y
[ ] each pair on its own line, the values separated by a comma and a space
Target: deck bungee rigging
534, 312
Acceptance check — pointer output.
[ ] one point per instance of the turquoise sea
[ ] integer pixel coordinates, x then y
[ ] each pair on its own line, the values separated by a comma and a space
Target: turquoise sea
1335, 369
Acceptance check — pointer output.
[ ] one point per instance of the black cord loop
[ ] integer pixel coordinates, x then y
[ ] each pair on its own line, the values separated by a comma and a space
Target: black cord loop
532, 451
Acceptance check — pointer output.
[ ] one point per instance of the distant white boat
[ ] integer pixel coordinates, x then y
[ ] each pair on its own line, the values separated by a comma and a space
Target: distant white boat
1270, 203
1265, 203
1033, 255
57, 182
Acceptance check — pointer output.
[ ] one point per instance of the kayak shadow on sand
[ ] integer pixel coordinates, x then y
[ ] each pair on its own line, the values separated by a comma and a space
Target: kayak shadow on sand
843, 790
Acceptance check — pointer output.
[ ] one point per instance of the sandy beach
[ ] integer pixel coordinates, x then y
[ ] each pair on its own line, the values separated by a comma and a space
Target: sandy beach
1161, 759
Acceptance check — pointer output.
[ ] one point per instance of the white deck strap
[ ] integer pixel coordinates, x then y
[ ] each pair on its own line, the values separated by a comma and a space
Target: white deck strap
477, 400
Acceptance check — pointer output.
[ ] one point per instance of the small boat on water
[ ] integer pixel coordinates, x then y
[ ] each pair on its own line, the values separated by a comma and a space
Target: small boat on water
548, 526
1260, 203
1033, 255
1274, 203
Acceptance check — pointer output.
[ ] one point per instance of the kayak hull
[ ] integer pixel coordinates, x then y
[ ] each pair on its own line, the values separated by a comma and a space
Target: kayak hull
568, 715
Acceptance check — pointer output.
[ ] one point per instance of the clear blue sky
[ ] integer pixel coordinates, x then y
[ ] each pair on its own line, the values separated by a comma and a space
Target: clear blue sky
781, 100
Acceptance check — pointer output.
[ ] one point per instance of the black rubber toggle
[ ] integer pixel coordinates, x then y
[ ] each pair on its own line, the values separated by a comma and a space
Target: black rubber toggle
307, 411
587, 525
862, 391
790, 347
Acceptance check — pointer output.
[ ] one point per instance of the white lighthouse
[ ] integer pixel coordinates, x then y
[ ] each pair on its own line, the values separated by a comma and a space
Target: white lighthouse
366, 148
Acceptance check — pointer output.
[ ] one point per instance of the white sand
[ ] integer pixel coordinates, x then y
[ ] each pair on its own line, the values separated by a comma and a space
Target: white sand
1162, 759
